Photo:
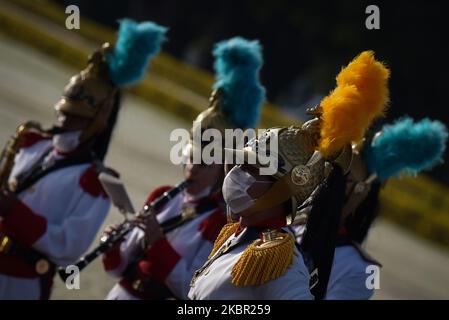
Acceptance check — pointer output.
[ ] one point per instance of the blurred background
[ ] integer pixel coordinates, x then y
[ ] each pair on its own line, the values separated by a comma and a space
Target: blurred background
305, 45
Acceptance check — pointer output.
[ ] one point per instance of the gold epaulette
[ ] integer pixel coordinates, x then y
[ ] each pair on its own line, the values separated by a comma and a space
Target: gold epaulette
227, 230
264, 260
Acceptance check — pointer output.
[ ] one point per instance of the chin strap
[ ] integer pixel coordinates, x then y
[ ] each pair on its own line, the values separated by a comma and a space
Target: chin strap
100, 120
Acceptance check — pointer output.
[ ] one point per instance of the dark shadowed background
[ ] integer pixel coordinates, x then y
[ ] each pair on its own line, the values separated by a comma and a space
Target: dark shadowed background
306, 43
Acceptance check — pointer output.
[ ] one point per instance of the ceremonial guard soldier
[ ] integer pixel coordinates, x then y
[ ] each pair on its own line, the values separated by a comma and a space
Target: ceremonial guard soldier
51, 202
158, 263
404, 147
256, 257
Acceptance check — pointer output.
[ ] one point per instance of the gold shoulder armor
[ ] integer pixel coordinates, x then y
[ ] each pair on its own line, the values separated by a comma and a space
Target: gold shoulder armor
264, 260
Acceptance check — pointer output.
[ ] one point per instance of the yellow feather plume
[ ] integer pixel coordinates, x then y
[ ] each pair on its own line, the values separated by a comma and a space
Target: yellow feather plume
361, 96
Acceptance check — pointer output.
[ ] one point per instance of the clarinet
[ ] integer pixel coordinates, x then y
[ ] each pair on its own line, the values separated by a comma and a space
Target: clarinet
116, 236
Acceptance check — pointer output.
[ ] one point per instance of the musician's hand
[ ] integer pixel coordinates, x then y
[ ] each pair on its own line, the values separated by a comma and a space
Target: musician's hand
110, 229
7, 200
153, 231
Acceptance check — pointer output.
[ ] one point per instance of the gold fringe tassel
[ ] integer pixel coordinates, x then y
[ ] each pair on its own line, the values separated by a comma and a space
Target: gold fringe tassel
264, 261
227, 230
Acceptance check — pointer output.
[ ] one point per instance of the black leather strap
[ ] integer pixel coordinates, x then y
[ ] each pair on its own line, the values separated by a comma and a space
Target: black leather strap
37, 171
25, 253
179, 220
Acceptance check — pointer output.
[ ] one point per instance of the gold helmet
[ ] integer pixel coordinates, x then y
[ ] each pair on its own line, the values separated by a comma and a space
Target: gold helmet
403, 147
90, 94
298, 168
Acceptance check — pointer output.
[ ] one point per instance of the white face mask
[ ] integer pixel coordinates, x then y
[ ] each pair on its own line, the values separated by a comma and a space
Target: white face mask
235, 186
235, 189
67, 141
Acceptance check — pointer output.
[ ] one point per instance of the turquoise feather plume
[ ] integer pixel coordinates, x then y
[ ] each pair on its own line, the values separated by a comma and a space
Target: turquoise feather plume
137, 43
237, 65
406, 147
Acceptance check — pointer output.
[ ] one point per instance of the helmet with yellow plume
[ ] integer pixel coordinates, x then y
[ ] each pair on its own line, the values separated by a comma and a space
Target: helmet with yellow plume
341, 118
301, 154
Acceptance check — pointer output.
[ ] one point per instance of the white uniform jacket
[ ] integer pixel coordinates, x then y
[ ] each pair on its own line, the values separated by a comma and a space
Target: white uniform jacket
351, 271
214, 283
170, 262
58, 216
352, 274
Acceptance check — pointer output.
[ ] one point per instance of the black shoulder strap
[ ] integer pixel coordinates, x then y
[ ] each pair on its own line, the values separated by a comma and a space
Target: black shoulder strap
179, 220
308, 261
37, 171
320, 238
